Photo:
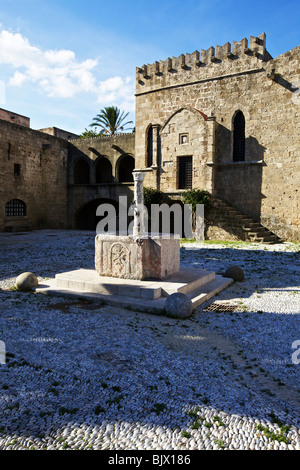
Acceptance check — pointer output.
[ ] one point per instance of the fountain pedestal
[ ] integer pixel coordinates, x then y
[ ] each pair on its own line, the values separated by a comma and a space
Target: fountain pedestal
129, 257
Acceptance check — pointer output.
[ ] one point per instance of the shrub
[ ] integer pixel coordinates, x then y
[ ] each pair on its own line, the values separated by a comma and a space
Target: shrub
196, 196
153, 196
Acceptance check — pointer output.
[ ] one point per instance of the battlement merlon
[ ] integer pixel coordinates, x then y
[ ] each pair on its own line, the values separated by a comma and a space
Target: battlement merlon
228, 55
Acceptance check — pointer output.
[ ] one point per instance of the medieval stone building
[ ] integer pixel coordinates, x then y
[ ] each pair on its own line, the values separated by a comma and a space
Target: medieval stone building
224, 119
33, 176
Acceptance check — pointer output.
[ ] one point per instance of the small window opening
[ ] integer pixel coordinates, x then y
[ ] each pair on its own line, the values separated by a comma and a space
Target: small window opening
15, 208
17, 169
239, 137
183, 138
150, 147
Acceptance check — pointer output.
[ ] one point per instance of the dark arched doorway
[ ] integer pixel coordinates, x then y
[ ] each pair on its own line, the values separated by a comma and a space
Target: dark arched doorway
103, 170
86, 218
125, 168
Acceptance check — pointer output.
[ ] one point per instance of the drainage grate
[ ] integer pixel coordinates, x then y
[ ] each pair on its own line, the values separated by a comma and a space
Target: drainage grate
219, 307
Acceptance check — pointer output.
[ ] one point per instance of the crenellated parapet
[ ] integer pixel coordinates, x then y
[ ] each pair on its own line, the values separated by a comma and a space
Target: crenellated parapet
210, 63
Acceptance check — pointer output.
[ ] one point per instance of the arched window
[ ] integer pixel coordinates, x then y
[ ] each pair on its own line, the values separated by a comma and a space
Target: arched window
126, 167
149, 147
103, 171
81, 172
239, 137
15, 208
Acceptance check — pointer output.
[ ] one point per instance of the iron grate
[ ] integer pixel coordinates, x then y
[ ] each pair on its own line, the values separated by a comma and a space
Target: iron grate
220, 307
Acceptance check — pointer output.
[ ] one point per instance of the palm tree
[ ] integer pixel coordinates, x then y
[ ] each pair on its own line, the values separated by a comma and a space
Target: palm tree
110, 120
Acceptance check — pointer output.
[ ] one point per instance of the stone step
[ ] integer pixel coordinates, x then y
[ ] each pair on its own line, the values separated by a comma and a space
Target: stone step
259, 234
144, 296
186, 281
236, 220
254, 229
209, 290
87, 280
269, 239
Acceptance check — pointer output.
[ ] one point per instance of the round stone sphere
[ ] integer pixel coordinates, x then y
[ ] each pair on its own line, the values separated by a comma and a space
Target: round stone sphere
26, 281
178, 305
235, 272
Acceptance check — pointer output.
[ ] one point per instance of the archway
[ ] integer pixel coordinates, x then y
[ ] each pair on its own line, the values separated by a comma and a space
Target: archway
86, 218
126, 166
103, 170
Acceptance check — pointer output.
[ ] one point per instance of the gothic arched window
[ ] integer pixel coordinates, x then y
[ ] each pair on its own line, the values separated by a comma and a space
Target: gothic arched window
150, 147
239, 137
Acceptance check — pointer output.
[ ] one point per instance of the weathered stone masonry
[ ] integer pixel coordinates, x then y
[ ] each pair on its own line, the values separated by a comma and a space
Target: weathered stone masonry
224, 119
190, 103
99, 171
33, 169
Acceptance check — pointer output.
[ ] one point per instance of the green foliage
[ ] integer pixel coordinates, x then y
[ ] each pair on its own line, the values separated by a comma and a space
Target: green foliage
221, 444
186, 434
153, 196
196, 196
218, 420
280, 437
110, 120
87, 134
158, 408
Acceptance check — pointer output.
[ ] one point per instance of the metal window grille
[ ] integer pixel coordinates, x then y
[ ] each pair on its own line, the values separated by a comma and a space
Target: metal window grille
15, 208
185, 180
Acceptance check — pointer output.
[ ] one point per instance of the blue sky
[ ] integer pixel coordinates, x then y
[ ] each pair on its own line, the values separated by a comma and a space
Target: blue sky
62, 61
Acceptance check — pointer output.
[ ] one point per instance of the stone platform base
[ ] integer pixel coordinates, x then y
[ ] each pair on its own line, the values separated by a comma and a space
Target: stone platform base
146, 296
128, 257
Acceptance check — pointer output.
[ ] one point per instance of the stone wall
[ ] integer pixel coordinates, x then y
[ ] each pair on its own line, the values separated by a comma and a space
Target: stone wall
62, 134
14, 118
33, 169
108, 162
217, 83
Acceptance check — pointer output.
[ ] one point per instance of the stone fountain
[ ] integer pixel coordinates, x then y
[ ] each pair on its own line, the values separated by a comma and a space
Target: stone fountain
138, 270
138, 255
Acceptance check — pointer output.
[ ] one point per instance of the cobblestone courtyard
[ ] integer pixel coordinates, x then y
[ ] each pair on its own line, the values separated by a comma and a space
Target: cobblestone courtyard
81, 375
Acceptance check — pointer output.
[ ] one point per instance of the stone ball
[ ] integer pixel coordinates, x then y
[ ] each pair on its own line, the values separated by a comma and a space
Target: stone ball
235, 272
27, 281
178, 305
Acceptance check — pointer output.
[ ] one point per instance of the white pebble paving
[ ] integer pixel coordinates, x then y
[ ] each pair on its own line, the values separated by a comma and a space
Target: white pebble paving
109, 378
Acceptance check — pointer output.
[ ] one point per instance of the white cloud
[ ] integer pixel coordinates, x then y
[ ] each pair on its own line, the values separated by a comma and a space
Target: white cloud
117, 89
58, 73
17, 79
